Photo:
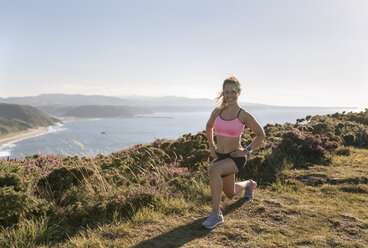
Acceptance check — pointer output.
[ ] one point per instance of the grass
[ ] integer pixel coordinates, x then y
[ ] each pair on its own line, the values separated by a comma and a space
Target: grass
322, 206
310, 194
297, 212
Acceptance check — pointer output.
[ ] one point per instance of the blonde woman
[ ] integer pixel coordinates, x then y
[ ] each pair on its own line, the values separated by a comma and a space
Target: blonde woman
228, 121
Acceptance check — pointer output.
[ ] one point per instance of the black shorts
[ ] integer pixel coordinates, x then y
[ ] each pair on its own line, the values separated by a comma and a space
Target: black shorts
239, 161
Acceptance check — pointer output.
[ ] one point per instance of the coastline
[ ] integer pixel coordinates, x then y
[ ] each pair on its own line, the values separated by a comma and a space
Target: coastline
22, 135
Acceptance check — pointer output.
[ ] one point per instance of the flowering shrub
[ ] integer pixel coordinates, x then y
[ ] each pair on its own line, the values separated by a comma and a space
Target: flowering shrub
312, 145
302, 149
331, 145
42, 164
157, 143
293, 134
52, 160
174, 169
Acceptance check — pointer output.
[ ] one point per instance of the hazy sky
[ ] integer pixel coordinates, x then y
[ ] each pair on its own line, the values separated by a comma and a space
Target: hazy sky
284, 52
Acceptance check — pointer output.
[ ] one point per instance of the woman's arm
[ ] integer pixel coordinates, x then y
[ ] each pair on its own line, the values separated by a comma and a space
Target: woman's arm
209, 133
254, 126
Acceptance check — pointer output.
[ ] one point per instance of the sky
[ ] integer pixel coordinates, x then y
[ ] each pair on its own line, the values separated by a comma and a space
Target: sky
284, 52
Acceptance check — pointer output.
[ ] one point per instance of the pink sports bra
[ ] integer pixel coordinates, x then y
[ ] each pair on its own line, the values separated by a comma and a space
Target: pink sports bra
228, 128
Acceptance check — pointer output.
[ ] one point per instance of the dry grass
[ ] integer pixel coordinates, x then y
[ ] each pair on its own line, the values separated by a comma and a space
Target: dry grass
322, 206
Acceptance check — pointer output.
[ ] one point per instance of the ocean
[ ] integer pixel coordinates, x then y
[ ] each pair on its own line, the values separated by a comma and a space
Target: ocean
90, 137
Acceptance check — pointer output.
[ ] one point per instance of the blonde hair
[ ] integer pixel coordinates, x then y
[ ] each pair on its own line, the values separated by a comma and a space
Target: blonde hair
220, 99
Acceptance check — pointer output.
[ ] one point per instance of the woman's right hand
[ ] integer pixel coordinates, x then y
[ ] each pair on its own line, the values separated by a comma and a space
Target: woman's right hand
213, 150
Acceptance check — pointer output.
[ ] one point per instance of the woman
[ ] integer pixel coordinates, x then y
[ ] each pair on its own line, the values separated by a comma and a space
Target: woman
228, 121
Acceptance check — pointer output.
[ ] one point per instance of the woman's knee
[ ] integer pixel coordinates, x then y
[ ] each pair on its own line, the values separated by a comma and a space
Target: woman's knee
212, 170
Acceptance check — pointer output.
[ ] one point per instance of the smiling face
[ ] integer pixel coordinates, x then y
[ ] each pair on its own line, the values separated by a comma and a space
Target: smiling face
231, 93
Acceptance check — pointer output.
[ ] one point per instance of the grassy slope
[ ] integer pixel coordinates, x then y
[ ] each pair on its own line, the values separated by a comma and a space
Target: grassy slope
323, 206
16, 118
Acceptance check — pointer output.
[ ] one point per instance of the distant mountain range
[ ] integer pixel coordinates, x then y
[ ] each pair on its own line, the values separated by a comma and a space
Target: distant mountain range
61, 105
83, 106
14, 118
81, 100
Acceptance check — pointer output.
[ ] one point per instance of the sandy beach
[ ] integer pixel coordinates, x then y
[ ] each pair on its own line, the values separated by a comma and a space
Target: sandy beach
22, 135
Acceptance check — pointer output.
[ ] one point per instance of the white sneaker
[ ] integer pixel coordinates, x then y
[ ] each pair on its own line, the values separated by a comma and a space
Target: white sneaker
213, 220
249, 192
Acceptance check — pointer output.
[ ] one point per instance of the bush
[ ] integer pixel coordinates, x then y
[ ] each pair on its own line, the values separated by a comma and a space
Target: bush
58, 181
15, 205
343, 151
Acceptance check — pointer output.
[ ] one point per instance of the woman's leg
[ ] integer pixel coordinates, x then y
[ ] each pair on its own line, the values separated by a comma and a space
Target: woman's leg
232, 188
221, 168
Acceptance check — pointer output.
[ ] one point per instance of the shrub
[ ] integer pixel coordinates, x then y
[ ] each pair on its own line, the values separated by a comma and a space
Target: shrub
15, 205
11, 179
62, 179
330, 145
349, 139
343, 151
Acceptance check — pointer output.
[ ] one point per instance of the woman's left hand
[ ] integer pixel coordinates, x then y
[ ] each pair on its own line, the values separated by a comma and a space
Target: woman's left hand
240, 152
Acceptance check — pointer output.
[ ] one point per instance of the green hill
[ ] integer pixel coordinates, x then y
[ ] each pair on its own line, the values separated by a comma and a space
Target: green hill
15, 118
313, 192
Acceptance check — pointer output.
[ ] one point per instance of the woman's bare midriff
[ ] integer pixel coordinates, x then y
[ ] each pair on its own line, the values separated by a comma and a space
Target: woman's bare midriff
227, 144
